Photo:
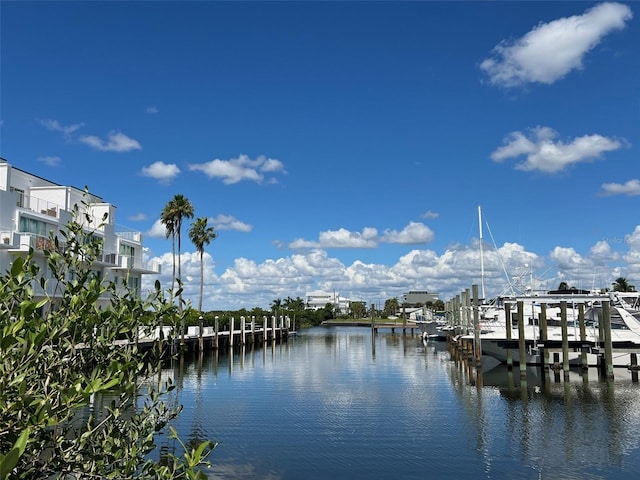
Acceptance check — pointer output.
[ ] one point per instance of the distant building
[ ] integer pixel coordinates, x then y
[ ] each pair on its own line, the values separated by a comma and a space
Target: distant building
419, 298
319, 299
32, 207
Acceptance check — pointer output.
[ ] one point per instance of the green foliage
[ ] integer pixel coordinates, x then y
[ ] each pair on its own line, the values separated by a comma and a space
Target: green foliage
59, 353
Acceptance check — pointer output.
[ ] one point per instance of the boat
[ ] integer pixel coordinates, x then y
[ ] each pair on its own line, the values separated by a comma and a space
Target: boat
499, 335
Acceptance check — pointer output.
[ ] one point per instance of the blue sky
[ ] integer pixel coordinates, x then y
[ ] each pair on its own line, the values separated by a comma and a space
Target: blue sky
342, 146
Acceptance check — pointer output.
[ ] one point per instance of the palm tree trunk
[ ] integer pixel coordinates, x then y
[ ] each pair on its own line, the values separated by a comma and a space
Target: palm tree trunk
173, 256
201, 279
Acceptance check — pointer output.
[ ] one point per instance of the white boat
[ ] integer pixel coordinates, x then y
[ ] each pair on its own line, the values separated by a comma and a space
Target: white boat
494, 341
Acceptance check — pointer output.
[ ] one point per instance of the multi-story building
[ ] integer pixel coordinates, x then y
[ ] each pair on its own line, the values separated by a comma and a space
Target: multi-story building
32, 207
419, 298
318, 299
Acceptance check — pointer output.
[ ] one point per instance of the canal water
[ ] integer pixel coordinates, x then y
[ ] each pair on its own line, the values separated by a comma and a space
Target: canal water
338, 403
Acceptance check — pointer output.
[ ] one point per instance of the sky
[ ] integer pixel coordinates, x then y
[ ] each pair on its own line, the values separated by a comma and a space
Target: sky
360, 148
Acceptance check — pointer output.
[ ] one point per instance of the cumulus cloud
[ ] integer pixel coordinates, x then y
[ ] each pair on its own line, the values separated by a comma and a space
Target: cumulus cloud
164, 172
157, 230
246, 283
115, 142
601, 253
551, 50
566, 257
412, 234
51, 161
242, 168
228, 222
543, 152
629, 188
341, 238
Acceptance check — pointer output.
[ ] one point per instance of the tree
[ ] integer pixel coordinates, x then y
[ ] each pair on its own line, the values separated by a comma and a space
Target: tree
175, 211
622, 285
201, 235
358, 309
276, 306
563, 286
391, 306
60, 352
166, 218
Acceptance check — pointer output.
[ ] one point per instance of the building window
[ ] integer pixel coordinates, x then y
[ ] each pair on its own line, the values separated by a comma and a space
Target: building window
127, 250
20, 194
31, 225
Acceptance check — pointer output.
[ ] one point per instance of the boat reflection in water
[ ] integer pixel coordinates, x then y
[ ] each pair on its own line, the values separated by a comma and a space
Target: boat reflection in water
551, 422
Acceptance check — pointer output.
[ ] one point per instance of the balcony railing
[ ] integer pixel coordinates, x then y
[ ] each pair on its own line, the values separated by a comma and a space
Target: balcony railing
38, 205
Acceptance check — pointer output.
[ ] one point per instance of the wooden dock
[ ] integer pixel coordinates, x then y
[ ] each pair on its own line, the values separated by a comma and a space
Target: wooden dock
201, 338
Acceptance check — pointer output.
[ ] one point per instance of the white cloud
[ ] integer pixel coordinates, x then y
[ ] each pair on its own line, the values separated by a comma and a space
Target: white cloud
56, 126
138, 217
152, 110
115, 142
551, 50
164, 172
247, 283
544, 153
51, 161
344, 238
228, 222
566, 257
238, 169
630, 188
158, 230
412, 234
341, 238
601, 253
429, 215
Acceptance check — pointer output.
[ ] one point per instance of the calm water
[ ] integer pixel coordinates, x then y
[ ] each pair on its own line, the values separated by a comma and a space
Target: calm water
333, 403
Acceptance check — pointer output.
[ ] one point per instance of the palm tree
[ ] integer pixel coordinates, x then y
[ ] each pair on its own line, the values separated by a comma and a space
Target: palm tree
167, 220
622, 285
177, 209
201, 235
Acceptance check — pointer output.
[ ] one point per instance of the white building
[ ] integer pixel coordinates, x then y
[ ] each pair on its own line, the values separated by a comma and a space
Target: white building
319, 299
32, 207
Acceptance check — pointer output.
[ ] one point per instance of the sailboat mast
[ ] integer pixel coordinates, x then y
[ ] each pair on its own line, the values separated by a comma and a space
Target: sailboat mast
481, 253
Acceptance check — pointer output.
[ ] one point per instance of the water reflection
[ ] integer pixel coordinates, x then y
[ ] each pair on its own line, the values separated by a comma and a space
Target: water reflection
344, 403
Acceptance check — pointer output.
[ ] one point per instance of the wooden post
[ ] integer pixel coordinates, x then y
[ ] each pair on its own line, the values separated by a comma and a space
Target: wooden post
404, 317
273, 328
242, 330
265, 328
542, 324
633, 366
253, 329
565, 339
464, 300
583, 336
608, 353
507, 326
200, 340
231, 327
216, 329
476, 327
522, 344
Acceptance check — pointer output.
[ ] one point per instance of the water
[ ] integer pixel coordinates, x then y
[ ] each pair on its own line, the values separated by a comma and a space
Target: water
335, 403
